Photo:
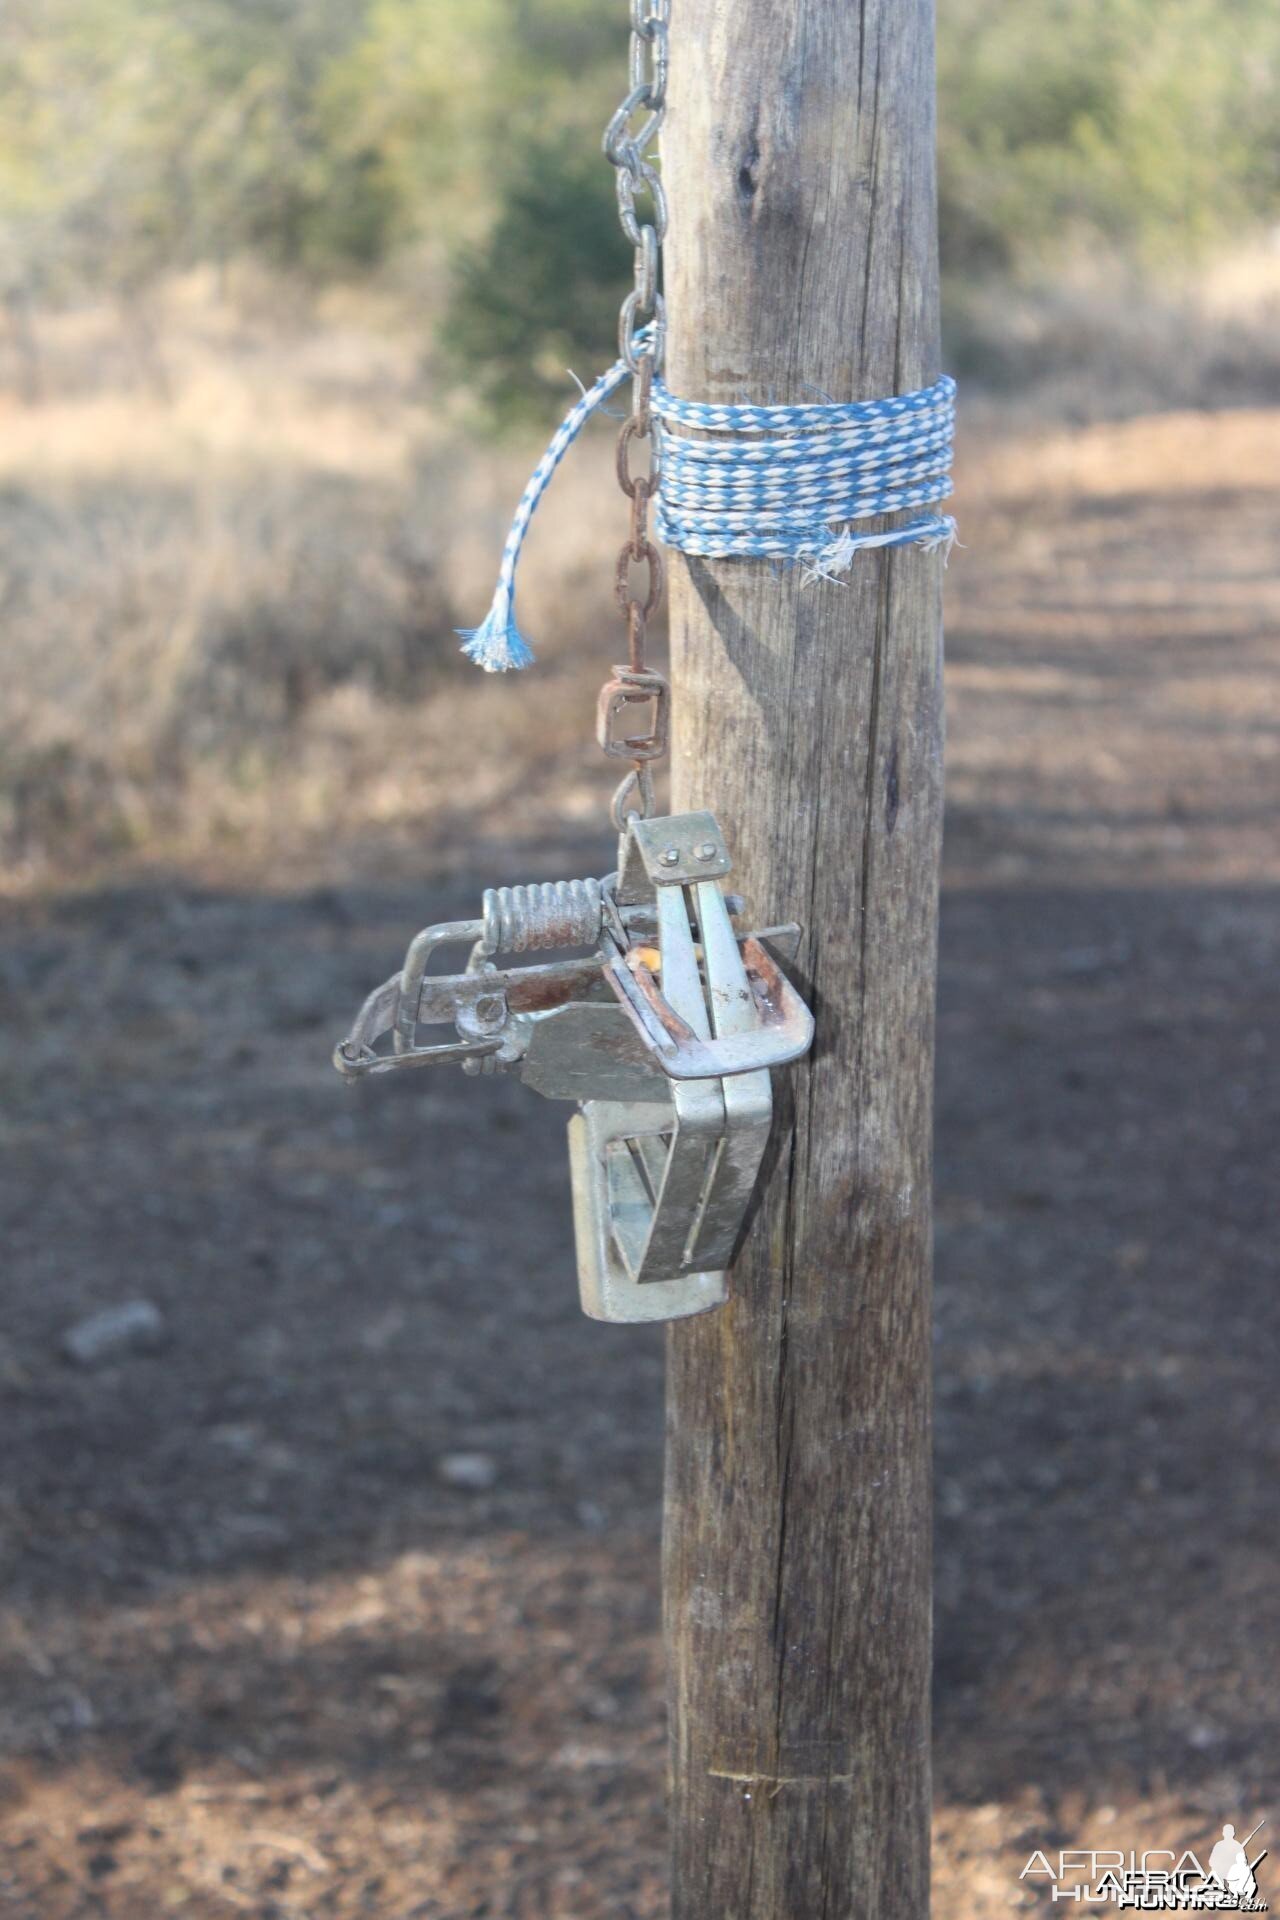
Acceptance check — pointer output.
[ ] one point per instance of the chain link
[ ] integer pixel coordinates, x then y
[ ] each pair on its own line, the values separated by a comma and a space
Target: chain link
628, 142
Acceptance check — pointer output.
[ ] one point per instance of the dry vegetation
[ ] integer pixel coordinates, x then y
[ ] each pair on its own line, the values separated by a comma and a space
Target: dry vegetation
235, 542
232, 560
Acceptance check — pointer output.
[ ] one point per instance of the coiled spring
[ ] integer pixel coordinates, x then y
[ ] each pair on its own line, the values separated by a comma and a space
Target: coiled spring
552, 913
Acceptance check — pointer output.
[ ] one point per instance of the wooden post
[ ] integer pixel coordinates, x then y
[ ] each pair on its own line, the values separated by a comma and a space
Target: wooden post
799, 161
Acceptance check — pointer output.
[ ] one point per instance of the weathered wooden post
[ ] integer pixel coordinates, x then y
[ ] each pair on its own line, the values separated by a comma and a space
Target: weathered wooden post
799, 159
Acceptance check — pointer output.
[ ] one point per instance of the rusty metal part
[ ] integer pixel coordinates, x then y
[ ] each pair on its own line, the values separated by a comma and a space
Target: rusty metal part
639, 551
628, 690
636, 682
757, 1018
641, 485
782, 1029
459, 998
628, 145
552, 913
636, 787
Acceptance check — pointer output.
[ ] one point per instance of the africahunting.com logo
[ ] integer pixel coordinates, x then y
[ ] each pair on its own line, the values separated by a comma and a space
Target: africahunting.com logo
1157, 1881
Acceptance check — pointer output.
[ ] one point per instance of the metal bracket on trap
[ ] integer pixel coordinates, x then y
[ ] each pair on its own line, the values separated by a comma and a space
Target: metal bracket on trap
665, 1033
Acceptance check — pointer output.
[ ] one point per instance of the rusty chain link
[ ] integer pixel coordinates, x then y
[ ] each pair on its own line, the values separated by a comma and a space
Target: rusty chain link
628, 140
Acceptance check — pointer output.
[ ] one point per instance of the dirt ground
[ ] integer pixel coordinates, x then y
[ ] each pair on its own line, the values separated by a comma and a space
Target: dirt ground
267, 1648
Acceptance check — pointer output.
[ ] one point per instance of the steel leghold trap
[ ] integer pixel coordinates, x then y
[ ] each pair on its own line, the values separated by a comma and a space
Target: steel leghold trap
664, 1035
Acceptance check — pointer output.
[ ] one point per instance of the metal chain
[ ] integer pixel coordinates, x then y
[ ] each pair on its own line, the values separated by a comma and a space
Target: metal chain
628, 141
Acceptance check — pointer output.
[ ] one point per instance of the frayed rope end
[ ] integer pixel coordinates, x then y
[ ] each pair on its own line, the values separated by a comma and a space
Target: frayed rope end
944, 537
834, 560
497, 644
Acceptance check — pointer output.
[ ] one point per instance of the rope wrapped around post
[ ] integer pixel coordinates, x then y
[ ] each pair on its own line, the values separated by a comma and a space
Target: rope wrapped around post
781, 483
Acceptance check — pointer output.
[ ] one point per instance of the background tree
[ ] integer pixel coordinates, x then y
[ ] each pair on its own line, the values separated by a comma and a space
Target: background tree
340, 138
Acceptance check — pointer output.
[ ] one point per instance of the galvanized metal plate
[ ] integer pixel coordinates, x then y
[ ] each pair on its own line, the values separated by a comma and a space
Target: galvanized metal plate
681, 849
590, 1051
607, 1290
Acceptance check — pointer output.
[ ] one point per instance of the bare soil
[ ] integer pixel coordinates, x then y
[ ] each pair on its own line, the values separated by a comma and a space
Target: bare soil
260, 1654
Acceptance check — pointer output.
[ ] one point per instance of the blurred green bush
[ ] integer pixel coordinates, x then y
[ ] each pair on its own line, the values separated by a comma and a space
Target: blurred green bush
336, 137
1149, 125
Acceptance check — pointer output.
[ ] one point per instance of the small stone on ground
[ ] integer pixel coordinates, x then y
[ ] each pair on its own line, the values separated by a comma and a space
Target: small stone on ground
476, 1472
134, 1326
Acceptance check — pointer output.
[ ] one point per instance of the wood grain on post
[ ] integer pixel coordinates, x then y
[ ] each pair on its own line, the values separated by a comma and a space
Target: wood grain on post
799, 162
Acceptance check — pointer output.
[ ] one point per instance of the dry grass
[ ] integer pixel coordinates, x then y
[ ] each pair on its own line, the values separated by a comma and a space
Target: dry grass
1104, 343
231, 581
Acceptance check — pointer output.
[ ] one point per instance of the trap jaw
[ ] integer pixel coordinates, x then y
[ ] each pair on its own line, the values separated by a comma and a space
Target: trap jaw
665, 1036
661, 1187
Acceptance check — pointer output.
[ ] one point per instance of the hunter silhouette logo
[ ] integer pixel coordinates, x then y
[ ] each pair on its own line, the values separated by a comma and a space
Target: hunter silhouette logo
1156, 1880
1230, 1866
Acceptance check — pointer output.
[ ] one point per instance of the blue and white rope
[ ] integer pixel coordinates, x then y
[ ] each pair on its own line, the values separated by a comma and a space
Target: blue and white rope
497, 644
789, 492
